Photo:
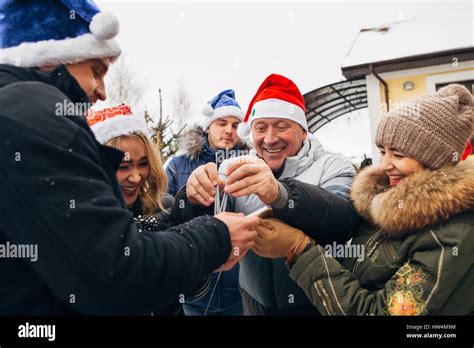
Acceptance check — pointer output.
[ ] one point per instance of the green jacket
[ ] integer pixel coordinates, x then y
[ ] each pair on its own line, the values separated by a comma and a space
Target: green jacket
416, 253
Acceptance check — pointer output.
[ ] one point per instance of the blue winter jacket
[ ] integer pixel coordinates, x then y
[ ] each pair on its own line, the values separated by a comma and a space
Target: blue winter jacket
196, 152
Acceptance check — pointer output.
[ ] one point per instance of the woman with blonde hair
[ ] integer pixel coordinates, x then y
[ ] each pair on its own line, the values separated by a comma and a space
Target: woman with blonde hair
140, 175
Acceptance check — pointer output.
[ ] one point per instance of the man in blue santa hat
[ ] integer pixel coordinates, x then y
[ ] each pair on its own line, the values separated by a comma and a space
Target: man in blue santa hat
214, 139
70, 37
59, 196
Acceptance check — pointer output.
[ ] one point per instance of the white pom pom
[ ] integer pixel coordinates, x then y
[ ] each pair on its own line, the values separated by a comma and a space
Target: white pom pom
207, 110
243, 130
104, 26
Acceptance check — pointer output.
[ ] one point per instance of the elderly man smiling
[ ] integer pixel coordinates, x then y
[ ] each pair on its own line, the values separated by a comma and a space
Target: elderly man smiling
306, 187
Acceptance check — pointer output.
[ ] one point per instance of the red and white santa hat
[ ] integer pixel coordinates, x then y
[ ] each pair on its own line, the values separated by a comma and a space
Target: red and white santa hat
277, 97
114, 122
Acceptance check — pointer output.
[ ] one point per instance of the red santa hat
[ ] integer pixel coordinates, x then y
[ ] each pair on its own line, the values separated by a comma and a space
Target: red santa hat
277, 97
114, 122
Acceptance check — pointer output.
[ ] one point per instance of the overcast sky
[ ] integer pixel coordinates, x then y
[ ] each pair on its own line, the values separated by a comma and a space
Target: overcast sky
210, 46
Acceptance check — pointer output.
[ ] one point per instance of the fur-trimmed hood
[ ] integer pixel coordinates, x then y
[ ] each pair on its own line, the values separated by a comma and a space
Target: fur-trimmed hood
421, 199
194, 141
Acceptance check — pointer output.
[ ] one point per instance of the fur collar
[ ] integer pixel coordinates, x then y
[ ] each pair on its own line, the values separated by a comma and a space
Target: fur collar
422, 199
194, 141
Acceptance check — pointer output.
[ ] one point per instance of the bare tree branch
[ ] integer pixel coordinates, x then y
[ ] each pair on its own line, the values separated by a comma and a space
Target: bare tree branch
124, 87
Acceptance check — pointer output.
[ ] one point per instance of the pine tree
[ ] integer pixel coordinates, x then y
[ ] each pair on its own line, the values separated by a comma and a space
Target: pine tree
162, 132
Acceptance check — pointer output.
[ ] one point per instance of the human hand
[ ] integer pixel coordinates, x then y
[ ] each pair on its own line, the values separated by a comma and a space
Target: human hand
242, 235
277, 239
201, 185
251, 175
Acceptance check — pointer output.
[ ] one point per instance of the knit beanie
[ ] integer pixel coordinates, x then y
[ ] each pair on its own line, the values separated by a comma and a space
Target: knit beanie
432, 129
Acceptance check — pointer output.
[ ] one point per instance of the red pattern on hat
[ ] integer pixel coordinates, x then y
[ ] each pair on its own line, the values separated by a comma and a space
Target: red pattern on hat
94, 117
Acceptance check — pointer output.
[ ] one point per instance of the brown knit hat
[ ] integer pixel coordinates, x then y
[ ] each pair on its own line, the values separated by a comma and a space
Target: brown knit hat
433, 129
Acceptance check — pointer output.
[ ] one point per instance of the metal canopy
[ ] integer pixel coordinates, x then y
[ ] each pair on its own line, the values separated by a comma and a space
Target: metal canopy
329, 102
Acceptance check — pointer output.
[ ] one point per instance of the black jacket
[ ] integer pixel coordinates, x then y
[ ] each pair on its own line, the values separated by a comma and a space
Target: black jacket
319, 213
59, 192
161, 221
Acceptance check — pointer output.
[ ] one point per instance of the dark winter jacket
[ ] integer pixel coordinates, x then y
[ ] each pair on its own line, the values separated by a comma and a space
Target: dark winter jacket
196, 152
161, 221
418, 244
59, 193
317, 186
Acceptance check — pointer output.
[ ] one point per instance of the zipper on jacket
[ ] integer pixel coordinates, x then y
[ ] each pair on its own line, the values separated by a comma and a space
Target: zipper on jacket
366, 247
322, 293
374, 252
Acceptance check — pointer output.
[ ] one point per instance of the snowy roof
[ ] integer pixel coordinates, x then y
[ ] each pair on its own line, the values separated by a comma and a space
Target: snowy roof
412, 37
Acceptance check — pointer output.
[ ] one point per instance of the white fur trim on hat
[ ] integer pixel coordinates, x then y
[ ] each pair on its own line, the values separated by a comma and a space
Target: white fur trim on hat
57, 52
224, 111
117, 126
277, 108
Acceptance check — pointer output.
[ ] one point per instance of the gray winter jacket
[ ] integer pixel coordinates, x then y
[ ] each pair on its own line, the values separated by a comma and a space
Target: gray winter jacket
316, 185
266, 280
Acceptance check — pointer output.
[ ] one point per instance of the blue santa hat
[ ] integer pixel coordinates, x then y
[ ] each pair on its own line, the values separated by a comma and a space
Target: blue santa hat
222, 105
55, 32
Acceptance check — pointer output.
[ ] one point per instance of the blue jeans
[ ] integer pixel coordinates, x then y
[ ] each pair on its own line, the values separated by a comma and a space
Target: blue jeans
226, 299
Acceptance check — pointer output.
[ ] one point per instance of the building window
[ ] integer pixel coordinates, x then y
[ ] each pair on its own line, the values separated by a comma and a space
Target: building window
469, 84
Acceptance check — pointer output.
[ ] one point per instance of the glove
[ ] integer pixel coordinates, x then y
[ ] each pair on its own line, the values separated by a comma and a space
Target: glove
277, 239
